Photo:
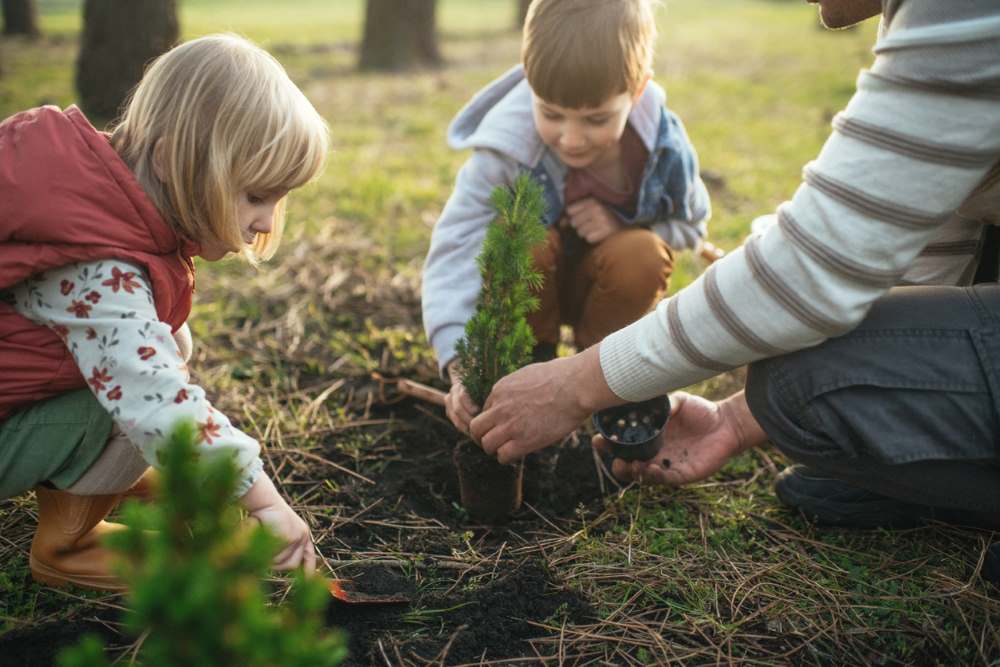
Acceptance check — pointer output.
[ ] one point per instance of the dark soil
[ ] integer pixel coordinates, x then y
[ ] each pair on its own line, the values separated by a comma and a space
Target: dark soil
40, 644
457, 614
462, 608
491, 621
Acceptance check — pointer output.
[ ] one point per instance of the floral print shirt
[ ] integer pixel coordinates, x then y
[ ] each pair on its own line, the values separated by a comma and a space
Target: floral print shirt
104, 313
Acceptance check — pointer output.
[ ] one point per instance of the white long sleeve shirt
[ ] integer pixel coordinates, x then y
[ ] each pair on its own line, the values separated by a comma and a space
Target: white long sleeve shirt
898, 195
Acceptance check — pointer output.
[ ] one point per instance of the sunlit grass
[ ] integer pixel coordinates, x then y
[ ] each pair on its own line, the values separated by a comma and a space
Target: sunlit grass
756, 83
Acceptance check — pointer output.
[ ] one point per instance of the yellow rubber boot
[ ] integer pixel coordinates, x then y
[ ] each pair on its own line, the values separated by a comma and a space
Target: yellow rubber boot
67, 545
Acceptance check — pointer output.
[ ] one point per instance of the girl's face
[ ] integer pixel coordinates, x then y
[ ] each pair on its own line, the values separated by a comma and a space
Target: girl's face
255, 215
582, 137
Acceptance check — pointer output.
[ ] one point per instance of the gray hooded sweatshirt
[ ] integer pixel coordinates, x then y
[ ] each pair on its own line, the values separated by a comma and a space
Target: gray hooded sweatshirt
498, 125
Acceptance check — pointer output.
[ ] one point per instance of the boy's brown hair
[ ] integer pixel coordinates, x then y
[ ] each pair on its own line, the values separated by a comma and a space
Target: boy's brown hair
579, 53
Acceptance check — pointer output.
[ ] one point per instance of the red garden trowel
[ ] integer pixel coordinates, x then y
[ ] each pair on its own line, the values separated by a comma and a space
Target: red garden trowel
346, 591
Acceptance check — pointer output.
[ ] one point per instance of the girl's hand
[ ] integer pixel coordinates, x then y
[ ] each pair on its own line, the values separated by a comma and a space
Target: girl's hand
592, 220
458, 404
264, 503
700, 437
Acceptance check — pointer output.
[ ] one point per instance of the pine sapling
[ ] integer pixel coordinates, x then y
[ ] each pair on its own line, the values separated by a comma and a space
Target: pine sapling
195, 572
498, 339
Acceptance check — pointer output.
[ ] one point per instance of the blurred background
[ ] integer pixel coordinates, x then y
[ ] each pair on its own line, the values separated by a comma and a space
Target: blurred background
756, 82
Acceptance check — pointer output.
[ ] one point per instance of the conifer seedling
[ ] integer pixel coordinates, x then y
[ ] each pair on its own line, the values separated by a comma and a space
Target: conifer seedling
195, 575
498, 339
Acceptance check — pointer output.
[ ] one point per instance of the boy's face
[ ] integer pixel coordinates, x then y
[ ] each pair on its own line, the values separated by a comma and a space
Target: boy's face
581, 138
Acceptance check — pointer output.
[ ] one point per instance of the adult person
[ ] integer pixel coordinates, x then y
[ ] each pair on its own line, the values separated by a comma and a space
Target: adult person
873, 362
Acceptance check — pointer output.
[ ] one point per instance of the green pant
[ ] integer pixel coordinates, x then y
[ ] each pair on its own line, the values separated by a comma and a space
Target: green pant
52, 441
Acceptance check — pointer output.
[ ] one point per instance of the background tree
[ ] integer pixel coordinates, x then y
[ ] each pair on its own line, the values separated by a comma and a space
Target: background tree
20, 17
399, 34
119, 38
522, 13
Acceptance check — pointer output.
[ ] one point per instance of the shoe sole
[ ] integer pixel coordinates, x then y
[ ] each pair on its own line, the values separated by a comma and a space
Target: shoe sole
847, 515
50, 576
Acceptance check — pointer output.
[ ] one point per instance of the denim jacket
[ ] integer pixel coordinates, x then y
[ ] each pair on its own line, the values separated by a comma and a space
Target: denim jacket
499, 126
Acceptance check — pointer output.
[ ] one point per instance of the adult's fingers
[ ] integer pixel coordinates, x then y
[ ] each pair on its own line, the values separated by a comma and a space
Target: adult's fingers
600, 444
493, 439
482, 423
644, 472
510, 452
677, 399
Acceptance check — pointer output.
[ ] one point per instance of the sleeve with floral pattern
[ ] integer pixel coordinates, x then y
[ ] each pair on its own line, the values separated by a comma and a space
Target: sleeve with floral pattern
104, 312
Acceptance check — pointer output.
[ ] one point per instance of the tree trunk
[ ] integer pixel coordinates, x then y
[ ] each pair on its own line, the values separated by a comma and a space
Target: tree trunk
522, 13
119, 39
399, 34
20, 17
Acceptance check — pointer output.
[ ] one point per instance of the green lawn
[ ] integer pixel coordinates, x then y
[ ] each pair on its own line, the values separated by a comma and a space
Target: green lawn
713, 573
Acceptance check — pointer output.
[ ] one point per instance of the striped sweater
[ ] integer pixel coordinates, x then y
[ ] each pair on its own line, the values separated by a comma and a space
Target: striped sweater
899, 194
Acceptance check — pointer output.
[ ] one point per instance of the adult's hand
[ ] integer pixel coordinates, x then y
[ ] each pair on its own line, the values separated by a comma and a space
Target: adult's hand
540, 404
700, 437
458, 405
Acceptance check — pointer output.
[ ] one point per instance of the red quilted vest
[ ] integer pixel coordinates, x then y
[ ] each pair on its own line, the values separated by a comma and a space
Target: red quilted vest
66, 196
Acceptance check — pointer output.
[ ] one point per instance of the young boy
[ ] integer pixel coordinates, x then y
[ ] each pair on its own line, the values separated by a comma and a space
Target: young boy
620, 178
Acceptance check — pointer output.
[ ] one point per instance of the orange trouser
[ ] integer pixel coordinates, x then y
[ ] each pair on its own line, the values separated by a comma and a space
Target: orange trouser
599, 289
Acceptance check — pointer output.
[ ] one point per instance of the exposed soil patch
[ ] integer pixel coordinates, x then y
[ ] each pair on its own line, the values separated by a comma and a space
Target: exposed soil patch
478, 591
467, 623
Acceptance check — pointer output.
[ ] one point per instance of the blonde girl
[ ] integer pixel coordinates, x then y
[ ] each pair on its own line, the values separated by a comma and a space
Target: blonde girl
97, 236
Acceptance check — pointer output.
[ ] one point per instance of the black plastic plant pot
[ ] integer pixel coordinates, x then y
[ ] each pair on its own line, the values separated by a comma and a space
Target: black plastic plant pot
490, 491
633, 429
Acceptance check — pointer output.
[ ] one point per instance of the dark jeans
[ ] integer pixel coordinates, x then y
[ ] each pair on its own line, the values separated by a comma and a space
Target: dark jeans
905, 405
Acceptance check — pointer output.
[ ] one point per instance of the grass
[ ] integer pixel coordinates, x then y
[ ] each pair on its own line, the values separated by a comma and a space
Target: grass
716, 572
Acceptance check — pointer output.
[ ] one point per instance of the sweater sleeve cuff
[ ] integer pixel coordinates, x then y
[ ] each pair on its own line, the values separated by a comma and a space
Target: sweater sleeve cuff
628, 375
249, 476
444, 347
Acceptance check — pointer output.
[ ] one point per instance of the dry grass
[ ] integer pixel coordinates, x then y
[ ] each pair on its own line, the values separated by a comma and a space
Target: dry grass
716, 573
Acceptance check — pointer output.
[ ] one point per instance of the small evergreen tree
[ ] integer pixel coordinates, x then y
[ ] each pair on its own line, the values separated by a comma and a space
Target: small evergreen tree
498, 339
195, 579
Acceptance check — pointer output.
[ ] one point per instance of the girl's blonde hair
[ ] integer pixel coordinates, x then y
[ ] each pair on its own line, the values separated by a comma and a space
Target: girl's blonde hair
230, 121
580, 53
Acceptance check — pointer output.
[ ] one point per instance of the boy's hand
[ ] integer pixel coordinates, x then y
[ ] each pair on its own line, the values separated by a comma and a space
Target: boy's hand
700, 437
592, 220
264, 503
458, 404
